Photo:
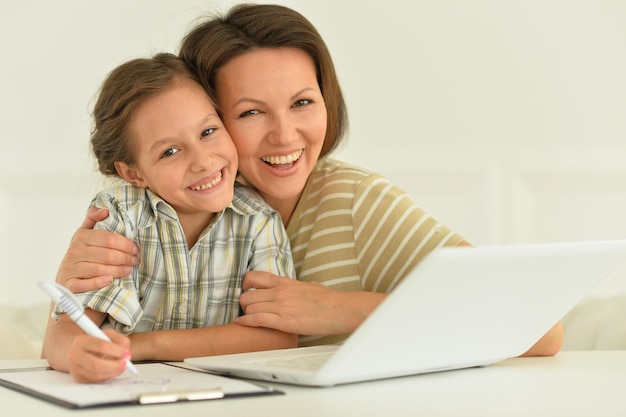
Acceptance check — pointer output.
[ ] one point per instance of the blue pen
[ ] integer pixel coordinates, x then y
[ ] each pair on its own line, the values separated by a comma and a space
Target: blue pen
70, 304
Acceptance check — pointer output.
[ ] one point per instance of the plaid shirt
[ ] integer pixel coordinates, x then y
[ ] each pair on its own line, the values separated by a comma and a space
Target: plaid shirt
175, 287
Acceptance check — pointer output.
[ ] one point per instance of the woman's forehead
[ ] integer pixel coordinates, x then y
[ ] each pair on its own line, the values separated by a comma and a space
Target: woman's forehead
270, 65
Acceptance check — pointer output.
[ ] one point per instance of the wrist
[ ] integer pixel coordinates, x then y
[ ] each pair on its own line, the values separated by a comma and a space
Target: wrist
141, 347
355, 307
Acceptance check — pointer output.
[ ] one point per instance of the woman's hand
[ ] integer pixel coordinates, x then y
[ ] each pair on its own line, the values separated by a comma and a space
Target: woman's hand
94, 257
305, 308
95, 360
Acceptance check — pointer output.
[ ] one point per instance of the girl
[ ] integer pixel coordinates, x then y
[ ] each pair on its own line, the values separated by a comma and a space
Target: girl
157, 129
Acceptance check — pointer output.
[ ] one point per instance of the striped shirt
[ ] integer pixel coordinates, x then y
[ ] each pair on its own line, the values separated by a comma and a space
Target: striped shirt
175, 287
352, 230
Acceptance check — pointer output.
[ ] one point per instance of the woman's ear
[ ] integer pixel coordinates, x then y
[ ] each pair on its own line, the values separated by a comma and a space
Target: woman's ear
131, 175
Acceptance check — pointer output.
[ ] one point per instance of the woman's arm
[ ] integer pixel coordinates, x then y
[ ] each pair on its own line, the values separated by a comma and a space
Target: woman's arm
286, 305
311, 309
94, 257
550, 344
305, 308
176, 345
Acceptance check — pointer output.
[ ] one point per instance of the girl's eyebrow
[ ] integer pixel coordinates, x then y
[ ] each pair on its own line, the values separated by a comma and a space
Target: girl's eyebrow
160, 142
209, 117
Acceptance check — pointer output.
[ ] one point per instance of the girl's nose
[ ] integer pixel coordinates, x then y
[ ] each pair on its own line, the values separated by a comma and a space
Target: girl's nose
199, 158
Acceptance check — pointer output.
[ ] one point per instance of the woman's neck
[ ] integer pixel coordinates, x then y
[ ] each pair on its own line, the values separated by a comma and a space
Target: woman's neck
285, 207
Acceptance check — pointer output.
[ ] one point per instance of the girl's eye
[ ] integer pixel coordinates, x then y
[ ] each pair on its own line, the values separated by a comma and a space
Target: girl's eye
169, 152
248, 113
207, 132
302, 102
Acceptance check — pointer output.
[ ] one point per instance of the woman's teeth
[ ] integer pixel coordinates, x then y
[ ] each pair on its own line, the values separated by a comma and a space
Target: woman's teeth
281, 160
210, 184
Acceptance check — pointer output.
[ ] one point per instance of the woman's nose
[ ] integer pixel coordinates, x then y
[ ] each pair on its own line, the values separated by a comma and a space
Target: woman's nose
283, 130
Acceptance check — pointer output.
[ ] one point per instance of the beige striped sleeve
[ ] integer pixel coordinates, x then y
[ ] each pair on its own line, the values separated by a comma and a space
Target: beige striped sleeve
392, 234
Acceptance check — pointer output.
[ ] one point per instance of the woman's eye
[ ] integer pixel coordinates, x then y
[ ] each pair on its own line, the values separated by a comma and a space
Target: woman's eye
302, 102
169, 152
207, 132
248, 113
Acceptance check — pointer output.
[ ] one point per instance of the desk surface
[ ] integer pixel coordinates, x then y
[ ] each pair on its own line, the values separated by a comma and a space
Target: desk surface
569, 384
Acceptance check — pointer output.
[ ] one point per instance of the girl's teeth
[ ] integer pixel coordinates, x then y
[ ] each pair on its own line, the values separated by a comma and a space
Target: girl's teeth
208, 185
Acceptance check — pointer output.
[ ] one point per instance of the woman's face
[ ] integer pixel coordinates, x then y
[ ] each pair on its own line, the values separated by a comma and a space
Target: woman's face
274, 111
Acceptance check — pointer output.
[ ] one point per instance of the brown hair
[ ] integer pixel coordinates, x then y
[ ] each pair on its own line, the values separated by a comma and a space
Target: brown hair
123, 91
214, 42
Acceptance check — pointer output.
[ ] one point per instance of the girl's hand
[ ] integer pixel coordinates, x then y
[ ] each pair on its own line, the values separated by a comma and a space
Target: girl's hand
96, 360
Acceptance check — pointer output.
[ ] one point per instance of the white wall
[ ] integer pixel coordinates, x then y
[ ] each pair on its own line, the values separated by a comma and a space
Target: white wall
505, 119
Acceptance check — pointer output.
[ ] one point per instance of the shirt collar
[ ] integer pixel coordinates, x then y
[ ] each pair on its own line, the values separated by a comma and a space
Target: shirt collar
245, 202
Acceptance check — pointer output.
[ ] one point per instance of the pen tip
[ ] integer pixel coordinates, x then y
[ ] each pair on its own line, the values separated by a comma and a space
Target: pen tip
131, 367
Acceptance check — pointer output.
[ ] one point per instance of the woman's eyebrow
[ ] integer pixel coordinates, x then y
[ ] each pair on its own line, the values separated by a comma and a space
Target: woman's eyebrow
248, 100
303, 91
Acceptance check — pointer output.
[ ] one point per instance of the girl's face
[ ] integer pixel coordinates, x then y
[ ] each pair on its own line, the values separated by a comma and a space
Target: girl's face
183, 152
274, 111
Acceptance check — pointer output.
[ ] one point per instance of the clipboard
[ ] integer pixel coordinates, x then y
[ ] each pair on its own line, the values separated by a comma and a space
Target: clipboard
157, 383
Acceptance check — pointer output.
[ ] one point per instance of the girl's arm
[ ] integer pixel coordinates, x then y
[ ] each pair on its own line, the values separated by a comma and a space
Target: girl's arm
176, 345
88, 359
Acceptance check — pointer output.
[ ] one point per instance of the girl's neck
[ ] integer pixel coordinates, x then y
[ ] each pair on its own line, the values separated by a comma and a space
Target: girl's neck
193, 225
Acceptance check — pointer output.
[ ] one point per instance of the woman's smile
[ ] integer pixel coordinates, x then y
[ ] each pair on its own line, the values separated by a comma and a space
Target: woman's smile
283, 161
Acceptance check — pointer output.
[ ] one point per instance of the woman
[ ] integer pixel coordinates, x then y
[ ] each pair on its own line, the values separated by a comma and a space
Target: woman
353, 234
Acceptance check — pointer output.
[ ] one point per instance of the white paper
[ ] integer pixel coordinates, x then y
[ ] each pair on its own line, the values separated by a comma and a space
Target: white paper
152, 378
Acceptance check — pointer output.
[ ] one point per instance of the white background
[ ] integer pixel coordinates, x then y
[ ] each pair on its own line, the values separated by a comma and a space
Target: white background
504, 119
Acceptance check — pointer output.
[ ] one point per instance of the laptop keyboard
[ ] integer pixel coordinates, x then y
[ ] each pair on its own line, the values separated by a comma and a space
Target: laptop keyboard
310, 361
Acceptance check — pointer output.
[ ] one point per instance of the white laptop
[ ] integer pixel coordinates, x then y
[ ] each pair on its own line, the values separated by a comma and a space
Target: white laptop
459, 308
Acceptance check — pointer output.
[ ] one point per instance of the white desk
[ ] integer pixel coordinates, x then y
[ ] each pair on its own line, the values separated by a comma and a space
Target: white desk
590, 384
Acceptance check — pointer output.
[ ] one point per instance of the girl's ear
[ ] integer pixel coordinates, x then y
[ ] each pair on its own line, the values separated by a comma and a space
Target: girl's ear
131, 175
